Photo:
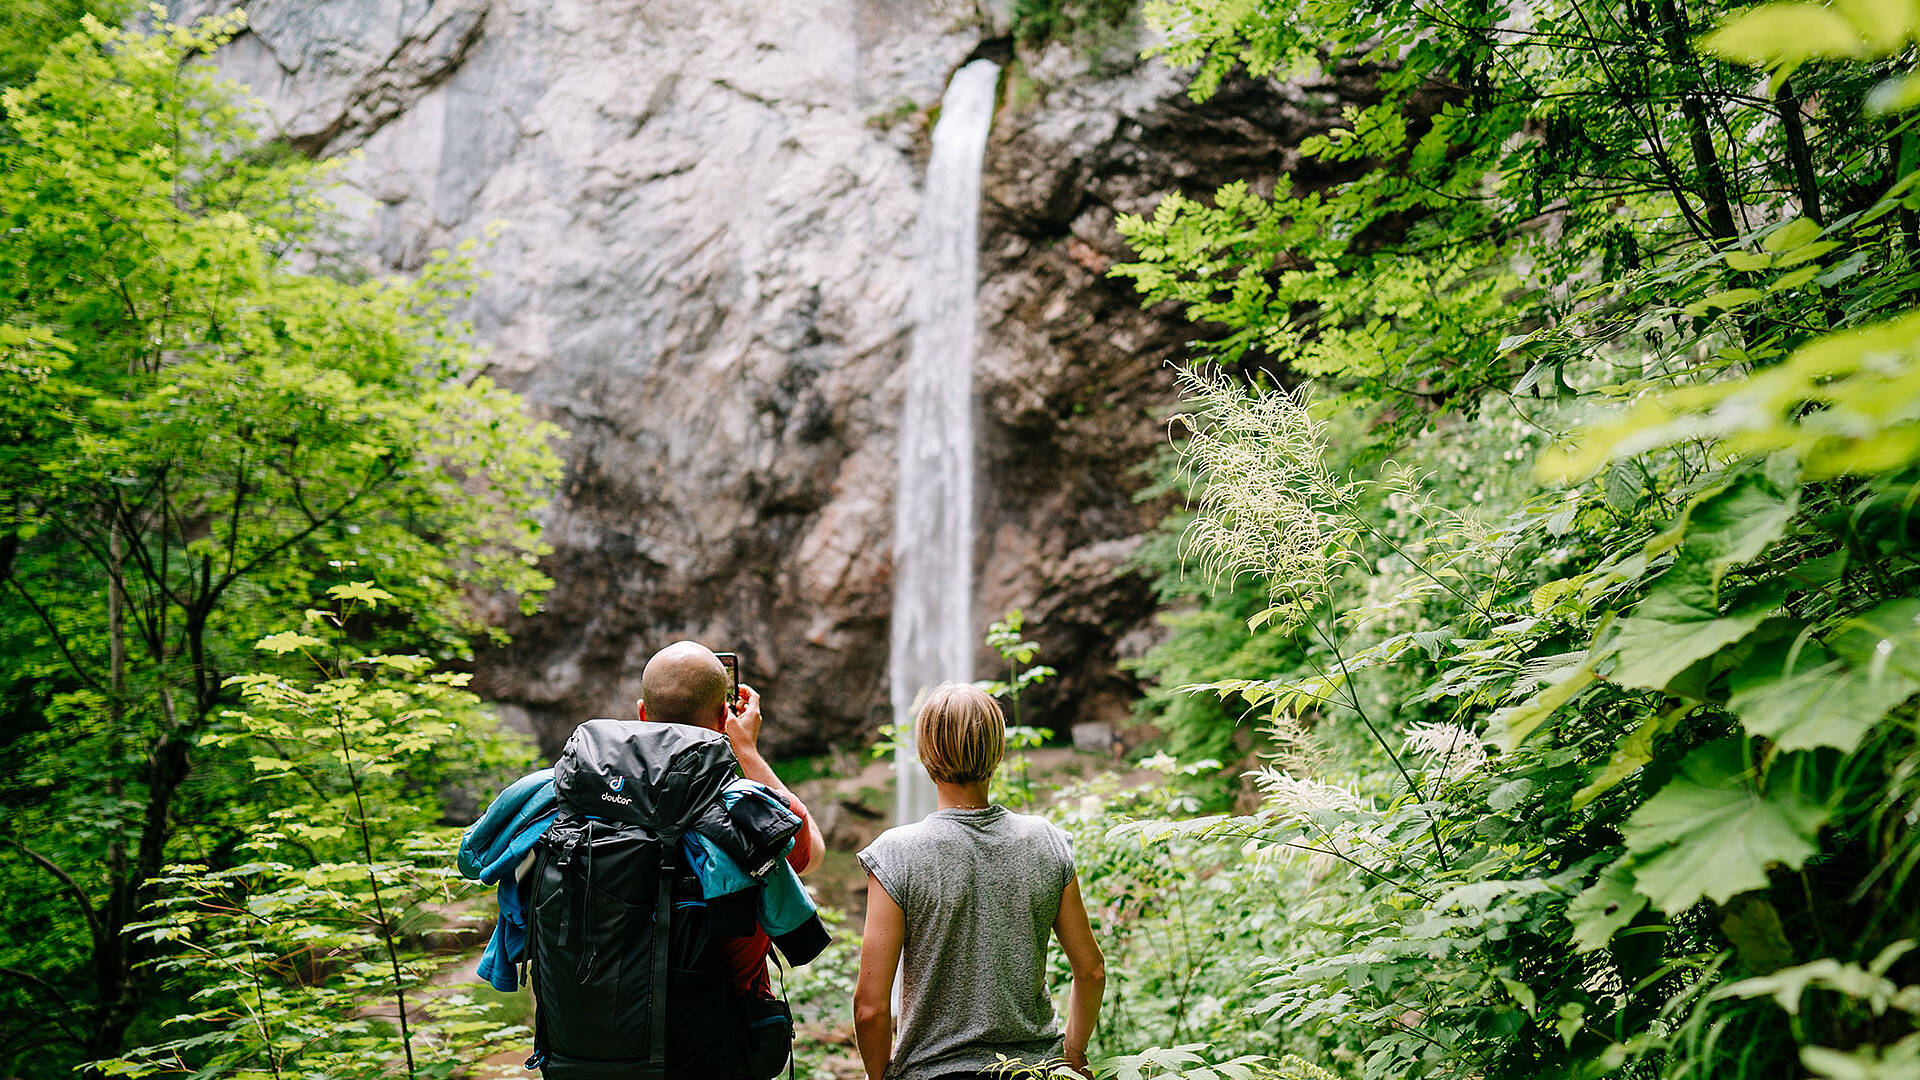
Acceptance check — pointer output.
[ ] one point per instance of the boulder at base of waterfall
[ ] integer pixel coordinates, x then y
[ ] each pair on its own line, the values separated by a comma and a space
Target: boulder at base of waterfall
1094, 737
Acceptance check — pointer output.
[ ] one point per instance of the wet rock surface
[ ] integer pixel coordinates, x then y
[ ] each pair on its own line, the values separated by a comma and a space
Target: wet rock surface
704, 281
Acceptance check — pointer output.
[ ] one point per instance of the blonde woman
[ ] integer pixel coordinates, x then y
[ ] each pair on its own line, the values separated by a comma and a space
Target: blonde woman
967, 899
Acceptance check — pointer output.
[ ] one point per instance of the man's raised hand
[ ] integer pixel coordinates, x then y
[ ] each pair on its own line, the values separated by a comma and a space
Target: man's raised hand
744, 720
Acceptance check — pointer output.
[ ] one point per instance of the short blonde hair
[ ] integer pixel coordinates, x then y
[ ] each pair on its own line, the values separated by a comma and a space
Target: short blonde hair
959, 733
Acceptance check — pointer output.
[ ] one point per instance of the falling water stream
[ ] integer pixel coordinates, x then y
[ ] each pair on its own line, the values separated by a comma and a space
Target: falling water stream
933, 523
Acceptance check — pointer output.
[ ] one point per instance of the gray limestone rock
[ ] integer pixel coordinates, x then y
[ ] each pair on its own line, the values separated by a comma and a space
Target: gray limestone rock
703, 280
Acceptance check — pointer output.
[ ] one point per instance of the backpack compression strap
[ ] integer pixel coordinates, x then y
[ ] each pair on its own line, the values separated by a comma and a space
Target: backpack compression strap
662, 932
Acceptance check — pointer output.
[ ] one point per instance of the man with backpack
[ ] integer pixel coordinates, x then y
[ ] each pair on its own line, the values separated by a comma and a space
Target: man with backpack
642, 885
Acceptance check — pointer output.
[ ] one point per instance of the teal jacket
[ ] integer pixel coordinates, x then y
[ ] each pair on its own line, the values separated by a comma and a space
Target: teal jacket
494, 846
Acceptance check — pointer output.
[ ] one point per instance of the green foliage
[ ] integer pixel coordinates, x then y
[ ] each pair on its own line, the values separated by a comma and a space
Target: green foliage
1586, 561
29, 29
1181, 919
1189, 1062
1208, 644
1012, 782
293, 955
1036, 22
1007, 638
818, 994
205, 437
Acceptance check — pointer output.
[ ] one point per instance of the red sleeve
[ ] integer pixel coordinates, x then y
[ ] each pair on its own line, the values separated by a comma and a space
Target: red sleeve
802, 852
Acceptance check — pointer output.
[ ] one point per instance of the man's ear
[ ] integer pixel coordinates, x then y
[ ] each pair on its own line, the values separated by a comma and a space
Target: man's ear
642, 704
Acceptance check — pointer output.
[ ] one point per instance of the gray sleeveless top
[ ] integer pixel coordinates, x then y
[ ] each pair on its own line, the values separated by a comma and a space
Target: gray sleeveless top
980, 889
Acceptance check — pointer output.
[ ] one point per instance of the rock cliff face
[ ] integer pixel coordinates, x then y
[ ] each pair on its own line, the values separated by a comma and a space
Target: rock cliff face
704, 280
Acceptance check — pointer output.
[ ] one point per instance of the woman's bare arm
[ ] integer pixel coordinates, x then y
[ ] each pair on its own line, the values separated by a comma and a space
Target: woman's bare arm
1089, 974
873, 994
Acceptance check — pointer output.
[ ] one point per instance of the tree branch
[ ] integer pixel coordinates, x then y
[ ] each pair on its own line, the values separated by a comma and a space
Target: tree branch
72, 886
367, 486
53, 992
53, 630
239, 499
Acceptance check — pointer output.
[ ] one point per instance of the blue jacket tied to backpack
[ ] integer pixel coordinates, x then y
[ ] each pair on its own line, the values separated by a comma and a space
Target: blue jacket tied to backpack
493, 848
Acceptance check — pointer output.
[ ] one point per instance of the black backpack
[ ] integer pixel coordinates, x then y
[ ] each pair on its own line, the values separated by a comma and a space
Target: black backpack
627, 978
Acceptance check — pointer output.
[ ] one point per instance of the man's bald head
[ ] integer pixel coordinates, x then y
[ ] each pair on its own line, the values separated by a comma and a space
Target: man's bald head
684, 683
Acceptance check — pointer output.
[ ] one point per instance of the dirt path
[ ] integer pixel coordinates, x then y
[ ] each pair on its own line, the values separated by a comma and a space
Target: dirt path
463, 977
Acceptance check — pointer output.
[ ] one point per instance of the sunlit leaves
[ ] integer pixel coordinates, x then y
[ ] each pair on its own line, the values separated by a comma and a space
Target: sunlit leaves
359, 592
1787, 33
199, 418
1804, 694
297, 418
1691, 655
1885, 638
1514, 723
339, 864
1847, 404
1674, 628
1897, 94
1680, 621
287, 641
1723, 302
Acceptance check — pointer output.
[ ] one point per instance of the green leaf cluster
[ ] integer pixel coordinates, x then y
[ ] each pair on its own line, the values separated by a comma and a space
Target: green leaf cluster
212, 425
307, 951
1587, 734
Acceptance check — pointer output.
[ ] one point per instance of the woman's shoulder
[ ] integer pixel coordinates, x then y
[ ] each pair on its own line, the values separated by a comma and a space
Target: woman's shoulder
934, 832
1039, 830
901, 838
888, 837
1014, 821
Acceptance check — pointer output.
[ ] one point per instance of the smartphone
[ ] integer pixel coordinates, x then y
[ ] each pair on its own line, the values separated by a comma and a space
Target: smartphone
731, 661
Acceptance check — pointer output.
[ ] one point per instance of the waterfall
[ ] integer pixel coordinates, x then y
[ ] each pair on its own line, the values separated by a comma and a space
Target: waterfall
933, 516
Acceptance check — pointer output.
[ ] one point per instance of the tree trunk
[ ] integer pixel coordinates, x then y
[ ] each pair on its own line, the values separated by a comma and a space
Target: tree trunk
1798, 155
1693, 107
